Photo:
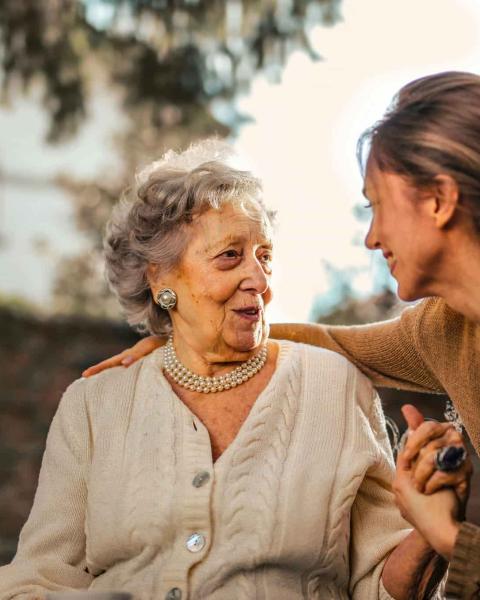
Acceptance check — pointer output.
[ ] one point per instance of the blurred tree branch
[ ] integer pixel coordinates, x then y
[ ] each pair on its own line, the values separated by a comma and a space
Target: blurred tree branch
168, 60
181, 52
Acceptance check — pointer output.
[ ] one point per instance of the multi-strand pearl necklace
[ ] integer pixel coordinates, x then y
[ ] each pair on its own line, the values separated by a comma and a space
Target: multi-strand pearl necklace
191, 381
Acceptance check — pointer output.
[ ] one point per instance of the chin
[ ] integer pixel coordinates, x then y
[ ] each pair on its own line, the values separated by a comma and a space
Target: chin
408, 295
247, 341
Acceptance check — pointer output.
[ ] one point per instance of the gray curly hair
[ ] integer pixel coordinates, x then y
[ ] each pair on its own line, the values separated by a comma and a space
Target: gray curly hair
149, 226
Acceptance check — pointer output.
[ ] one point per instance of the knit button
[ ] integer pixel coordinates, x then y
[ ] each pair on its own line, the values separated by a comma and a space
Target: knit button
195, 542
174, 594
200, 479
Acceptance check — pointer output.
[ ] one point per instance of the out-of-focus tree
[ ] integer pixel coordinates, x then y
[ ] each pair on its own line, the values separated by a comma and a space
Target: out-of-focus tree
352, 310
341, 305
177, 65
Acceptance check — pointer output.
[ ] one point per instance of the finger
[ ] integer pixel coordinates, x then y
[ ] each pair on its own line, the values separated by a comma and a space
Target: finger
403, 470
454, 438
451, 437
128, 356
403, 465
424, 433
459, 480
424, 466
463, 491
425, 478
412, 416
147, 345
442, 479
424, 469
113, 361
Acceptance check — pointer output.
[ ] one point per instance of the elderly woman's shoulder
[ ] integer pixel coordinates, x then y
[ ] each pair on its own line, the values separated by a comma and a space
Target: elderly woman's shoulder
334, 374
333, 365
111, 384
326, 358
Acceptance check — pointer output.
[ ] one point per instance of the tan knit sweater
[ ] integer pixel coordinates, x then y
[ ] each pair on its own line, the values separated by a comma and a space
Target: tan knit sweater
430, 347
298, 506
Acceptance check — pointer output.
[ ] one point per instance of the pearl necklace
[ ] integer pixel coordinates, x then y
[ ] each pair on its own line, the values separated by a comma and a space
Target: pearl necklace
191, 381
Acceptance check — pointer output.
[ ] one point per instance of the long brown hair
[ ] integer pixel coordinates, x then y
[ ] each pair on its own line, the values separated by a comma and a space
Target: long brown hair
432, 127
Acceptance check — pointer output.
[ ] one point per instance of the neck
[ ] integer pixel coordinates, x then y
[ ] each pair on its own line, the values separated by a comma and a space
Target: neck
218, 359
459, 283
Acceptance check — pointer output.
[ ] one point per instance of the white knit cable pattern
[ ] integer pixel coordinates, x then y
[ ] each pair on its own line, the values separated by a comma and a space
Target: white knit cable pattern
269, 435
335, 558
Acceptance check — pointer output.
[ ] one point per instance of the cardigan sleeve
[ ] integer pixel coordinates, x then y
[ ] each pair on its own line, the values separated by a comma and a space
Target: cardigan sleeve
389, 352
51, 548
376, 524
464, 572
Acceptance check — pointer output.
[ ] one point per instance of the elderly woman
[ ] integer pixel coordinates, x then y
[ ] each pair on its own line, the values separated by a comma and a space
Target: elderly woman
225, 465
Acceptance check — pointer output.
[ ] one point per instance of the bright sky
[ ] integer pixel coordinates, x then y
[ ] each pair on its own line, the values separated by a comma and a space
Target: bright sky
302, 143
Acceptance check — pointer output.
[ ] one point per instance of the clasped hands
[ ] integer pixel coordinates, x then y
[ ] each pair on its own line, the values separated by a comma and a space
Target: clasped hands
432, 501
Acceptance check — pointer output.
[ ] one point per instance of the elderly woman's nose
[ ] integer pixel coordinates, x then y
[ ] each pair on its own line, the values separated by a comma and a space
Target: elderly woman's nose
255, 278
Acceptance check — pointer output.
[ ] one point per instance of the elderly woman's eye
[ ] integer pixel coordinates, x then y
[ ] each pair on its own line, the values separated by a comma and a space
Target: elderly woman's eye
229, 254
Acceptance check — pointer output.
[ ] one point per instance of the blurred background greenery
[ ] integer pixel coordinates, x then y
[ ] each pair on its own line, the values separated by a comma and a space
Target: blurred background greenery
176, 69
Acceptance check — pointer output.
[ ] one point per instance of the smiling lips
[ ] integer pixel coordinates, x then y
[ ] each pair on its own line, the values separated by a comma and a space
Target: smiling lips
250, 313
390, 260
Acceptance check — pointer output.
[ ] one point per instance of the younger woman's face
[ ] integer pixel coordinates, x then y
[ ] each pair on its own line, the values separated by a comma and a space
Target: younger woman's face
403, 229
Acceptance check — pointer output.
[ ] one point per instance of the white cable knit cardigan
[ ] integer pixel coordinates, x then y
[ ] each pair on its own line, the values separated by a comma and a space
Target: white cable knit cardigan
298, 506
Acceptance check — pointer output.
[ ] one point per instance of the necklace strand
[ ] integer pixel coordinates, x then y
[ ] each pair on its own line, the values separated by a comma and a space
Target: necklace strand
198, 383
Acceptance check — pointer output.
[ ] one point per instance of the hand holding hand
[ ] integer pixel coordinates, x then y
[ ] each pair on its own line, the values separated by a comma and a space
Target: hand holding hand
424, 441
433, 514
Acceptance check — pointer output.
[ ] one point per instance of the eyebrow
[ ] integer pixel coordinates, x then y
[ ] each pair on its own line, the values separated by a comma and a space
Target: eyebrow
232, 240
223, 242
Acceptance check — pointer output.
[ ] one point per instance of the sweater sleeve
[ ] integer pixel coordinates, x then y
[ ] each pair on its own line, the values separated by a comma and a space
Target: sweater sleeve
51, 548
389, 352
376, 524
464, 573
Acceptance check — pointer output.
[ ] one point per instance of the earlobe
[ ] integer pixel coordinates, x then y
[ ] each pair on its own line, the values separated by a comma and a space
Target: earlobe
447, 195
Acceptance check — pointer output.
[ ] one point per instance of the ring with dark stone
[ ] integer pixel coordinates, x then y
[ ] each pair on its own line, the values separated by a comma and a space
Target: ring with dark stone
450, 458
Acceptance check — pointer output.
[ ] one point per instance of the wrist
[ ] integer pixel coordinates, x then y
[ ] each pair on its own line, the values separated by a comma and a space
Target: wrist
443, 539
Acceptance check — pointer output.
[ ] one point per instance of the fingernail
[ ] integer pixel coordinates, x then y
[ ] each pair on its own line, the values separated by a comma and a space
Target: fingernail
128, 360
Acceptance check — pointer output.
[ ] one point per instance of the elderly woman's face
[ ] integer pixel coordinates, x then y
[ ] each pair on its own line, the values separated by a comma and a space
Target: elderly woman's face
223, 282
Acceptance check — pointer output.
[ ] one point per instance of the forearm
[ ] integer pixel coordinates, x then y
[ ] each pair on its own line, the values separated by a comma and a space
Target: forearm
413, 568
385, 352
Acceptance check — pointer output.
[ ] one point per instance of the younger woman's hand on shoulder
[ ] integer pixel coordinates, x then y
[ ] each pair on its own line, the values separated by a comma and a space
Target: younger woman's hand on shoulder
127, 357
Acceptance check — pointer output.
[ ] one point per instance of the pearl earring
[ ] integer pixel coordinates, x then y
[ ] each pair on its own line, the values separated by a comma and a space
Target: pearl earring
166, 298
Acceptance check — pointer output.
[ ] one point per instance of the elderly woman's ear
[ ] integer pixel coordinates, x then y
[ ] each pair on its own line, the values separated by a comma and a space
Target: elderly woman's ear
153, 278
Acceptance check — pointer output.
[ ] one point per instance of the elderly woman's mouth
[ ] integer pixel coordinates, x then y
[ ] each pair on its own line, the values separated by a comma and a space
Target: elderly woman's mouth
250, 313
